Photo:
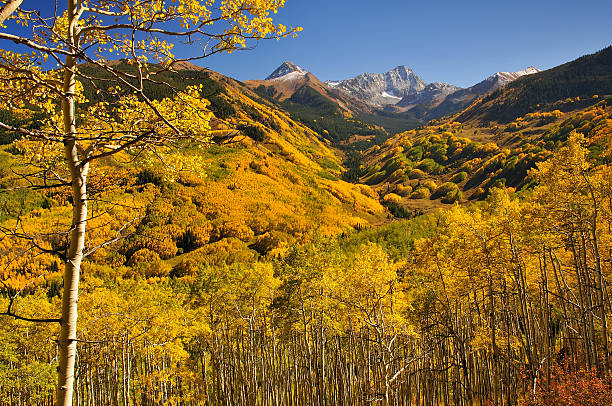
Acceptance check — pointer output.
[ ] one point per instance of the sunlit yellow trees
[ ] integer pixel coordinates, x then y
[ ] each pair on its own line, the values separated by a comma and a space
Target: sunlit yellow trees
523, 280
572, 206
74, 137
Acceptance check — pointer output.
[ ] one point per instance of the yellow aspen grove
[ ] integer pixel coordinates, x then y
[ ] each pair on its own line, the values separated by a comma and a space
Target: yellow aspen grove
170, 235
79, 34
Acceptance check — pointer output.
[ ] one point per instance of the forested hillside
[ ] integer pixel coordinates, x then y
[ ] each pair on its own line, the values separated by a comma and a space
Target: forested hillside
501, 302
268, 184
234, 243
459, 162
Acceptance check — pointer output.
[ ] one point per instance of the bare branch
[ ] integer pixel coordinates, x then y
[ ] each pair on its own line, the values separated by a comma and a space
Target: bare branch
118, 236
30, 133
28, 42
32, 320
9, 312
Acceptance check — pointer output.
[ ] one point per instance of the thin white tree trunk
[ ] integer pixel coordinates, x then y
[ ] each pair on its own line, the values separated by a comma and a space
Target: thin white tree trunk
78, 174
8, 9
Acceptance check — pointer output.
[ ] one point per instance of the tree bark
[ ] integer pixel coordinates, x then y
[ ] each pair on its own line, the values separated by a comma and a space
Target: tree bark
78, 173
8, 9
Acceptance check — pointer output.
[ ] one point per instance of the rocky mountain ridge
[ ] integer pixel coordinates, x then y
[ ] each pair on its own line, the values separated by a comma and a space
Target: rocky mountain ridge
462, 98
395, 100
380, 89
401, 89
432, 93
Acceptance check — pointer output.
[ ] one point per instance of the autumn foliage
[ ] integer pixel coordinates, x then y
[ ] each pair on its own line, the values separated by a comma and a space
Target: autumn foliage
489, 297
226, 262
573, 387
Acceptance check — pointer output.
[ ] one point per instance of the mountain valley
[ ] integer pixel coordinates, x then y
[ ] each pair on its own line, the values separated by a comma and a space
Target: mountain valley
287, 240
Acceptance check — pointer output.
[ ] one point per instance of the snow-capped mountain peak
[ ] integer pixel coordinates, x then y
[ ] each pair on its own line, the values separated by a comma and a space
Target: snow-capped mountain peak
528, 71
381, 89
504, 78
287, 71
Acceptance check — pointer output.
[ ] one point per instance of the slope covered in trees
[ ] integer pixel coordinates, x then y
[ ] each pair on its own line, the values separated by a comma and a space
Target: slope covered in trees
226, 262
504, 303
456, 162
270, 184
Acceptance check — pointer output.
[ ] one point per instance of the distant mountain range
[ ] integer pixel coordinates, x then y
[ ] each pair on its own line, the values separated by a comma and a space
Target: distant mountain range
519, 120
399, 90
334, 113
433, 92
458, 100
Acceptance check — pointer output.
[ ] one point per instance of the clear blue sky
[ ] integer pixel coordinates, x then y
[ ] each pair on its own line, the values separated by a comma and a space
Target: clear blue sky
455, 41
460, 42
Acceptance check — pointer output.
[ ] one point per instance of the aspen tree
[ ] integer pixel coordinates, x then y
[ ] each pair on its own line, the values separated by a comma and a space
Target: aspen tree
143, 33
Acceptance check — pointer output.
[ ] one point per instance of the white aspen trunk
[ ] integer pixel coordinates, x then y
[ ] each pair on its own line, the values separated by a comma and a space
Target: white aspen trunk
8, 9
78, 173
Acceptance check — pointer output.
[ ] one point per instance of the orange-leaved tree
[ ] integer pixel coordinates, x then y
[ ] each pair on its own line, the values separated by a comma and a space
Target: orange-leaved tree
74, 133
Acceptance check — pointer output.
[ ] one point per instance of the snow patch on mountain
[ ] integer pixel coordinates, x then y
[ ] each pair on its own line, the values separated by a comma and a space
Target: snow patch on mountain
291, 76
527, 71
287, 71
386, 94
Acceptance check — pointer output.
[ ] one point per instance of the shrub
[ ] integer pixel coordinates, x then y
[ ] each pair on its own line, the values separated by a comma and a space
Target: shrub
430, 184
421, 193
574, 388
444, 190
397, 175
403, 190
416, 174
429, 165
459, 177
392, 197
415, 154
376, 178
478, 194
453, 196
